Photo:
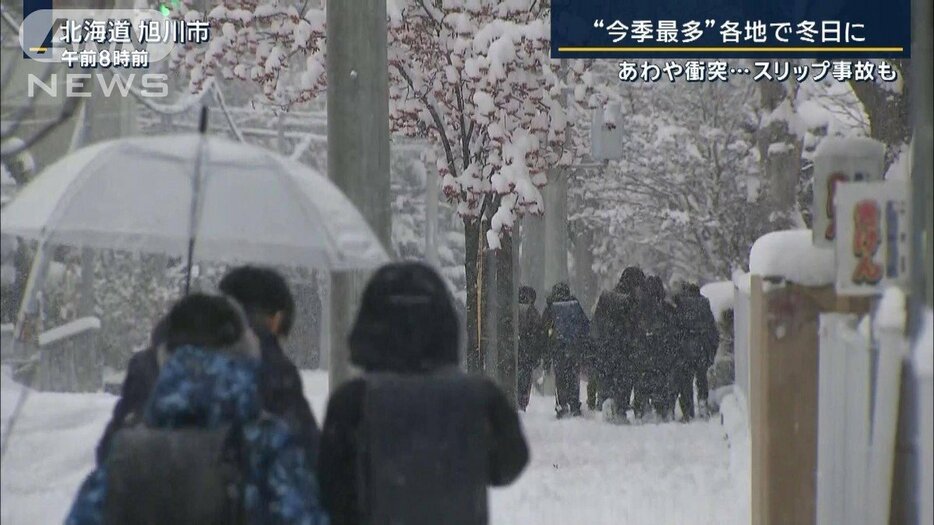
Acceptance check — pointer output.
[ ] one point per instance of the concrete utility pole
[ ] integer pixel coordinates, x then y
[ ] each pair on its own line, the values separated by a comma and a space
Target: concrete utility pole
531, 256
358, 145
556, 228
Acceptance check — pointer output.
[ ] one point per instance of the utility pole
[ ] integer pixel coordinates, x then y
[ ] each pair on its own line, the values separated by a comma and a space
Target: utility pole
358, 145
556, 212
531, 256
913, 482
556, 228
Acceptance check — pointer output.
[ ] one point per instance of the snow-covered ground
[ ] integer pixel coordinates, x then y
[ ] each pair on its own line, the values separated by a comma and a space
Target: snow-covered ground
583, 471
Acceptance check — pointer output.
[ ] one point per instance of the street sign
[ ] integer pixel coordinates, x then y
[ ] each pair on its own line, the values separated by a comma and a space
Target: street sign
606, 133
872, 237
841, 160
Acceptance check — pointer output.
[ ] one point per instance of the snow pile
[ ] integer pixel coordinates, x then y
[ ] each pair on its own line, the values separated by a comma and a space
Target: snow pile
735, 418
924, 347
720, 295
69, 329
890, 314
790, 254
51, 450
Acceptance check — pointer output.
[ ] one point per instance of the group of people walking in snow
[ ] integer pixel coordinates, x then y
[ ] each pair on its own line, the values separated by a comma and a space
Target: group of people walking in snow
212, 426
642, 350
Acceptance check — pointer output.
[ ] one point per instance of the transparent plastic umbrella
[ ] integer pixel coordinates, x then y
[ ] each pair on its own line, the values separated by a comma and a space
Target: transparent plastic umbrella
194, 196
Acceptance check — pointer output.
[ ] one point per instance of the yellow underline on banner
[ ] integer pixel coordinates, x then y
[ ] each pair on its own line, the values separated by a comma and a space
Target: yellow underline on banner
38, 49
664, 49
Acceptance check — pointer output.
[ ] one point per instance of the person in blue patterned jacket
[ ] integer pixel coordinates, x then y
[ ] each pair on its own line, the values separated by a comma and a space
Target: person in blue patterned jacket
204, 451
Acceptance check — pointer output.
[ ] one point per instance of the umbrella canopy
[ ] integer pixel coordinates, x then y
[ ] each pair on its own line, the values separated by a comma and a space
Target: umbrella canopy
252, 205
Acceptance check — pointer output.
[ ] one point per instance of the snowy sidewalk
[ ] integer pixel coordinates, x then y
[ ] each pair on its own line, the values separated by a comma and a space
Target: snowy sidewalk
587, 472
583, 472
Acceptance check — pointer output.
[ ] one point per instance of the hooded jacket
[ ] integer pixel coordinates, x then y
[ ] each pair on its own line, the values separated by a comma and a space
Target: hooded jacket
207, 389
565, 322
387, 434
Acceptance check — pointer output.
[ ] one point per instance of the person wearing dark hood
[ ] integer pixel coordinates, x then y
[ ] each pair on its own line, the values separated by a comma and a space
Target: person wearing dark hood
615, 333
265, 297
531, 342
203, 450
699, 339
568, 331
414, 440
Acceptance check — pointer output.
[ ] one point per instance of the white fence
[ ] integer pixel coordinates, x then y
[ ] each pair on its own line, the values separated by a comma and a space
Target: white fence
844, 424
741, 323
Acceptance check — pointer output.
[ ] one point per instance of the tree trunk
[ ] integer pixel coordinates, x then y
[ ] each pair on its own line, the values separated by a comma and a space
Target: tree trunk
585, 280
86, 297
532, 256
779, 150
506, 364
472, 252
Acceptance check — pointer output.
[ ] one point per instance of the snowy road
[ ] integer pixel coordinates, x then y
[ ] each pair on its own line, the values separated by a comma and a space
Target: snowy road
583, 472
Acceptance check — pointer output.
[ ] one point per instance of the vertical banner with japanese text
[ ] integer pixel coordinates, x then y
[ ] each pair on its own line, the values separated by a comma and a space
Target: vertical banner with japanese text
872, 237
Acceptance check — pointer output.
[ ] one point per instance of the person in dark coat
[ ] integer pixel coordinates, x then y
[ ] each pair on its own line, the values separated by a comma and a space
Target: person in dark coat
614, 334
531, 342
265, 297
270, 308
163, 470
414, 440
697, 348
141, 374
568, 332
655, 353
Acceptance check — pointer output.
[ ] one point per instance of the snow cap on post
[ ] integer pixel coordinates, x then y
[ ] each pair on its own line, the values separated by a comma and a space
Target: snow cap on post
790, 255
720, 294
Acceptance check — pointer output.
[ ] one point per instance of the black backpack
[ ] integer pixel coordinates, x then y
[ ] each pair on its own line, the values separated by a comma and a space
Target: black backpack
180, 476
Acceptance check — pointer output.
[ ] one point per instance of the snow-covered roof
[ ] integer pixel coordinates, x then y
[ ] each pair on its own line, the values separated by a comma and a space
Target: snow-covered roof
69, 329
720, 295
924, 347
790, 254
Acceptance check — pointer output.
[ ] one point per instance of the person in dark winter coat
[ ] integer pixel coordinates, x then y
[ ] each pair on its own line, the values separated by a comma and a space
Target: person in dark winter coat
141, 374
614, 332
531, 343
698, 342
656, 353
568, 332
414, 440
159, 469
265, 297
270, 308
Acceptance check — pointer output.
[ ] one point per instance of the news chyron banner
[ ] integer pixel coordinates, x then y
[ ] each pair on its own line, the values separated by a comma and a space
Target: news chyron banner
767, 29
113, 39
